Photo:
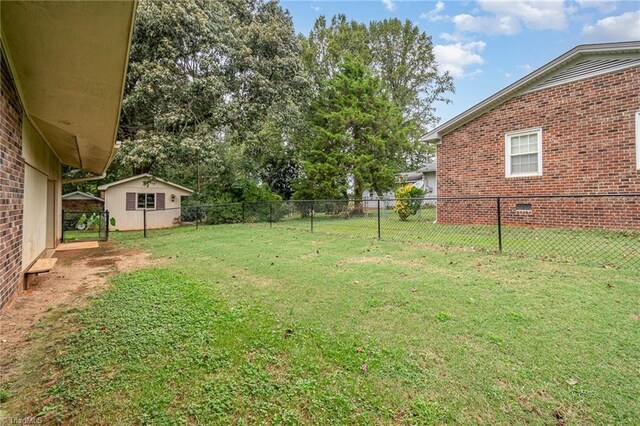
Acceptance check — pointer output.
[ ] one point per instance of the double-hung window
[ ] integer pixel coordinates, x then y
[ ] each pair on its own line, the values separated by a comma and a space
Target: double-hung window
523, 153
146, 200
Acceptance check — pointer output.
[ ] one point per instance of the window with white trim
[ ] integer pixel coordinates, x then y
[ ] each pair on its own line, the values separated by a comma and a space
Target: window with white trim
523, 153
638, 140
146, 200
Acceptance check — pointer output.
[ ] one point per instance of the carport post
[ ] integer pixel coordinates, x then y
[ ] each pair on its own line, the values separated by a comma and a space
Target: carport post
378, 218
499, 225
144, 222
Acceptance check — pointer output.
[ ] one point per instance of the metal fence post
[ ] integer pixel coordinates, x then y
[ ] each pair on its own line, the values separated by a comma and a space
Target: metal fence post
312, 207
106, 230
244, 217
62, 236
270, 214
197, 216
499, 225
378, 218
144, 222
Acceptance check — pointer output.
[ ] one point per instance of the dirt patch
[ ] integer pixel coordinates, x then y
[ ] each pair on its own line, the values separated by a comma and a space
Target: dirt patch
78, 276
361, 260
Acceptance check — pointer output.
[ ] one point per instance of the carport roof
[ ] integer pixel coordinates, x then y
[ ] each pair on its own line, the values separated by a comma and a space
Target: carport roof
69, 62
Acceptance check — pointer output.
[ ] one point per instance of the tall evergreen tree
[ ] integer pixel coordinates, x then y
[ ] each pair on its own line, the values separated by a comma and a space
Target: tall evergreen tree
357, 137
399, 54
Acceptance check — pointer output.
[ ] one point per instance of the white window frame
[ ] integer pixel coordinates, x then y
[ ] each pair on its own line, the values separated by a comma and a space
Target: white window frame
638, 140
507, 152
145, 200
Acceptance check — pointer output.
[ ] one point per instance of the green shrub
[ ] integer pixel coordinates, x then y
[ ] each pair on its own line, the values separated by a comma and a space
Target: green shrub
408, 200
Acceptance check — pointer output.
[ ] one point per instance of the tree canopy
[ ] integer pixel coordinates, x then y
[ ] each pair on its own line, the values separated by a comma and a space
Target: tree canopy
214, 85
356, 136
397, 52
222, 95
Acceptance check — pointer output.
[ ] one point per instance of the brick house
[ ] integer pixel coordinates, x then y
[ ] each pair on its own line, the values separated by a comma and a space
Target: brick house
79, 201
63, 67
570, 127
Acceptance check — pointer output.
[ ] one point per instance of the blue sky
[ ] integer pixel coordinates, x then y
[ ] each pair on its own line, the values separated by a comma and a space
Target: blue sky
488, 44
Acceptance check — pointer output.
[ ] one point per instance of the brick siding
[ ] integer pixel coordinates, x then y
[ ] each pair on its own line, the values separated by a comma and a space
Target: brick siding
11, 187
588, 145
82, 205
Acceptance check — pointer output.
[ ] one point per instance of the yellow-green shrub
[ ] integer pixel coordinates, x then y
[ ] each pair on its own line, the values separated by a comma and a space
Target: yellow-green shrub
408, 200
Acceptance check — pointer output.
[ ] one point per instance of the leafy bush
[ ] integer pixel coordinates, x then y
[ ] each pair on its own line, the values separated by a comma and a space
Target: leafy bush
222, 213
191, 213
227, 207
408, 200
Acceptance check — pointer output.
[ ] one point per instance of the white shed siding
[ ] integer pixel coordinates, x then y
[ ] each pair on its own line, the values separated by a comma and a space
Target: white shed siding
126, 220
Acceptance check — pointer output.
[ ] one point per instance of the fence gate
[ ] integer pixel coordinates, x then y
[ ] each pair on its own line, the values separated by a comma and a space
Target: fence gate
85, 226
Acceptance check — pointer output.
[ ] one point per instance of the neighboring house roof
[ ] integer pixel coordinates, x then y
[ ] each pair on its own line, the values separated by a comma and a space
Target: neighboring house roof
69, 62
144, 175
431, 167
78, 195
411, 176
418, 174
584, 61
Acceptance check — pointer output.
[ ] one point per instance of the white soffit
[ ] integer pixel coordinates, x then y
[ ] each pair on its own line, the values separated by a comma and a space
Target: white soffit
69, 60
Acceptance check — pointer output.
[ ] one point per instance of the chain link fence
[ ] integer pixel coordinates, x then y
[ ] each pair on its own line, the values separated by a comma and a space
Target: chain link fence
85, 226
601, 230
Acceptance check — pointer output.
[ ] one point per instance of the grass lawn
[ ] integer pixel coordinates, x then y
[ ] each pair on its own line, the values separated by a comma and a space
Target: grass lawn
588, 247
88, 235
246, 324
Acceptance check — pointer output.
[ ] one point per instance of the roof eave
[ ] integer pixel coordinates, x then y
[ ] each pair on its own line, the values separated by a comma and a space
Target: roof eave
514, 88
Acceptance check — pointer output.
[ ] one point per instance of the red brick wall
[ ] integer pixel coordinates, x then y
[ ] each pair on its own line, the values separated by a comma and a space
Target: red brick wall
11, 187
588, 144
82, 205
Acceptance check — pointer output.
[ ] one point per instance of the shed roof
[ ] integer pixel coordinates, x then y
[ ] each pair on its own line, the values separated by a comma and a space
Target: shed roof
144, 175
79, 195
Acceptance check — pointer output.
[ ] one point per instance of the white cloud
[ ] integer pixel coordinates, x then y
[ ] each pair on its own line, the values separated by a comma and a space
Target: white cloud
451, 37
615, 28
605, 6
508, 17
389, 5
456, 57
506, 25
434, 14
316, 8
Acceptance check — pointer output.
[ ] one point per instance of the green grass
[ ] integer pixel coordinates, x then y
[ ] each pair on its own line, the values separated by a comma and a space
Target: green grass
246, 324
84, 235
583, 246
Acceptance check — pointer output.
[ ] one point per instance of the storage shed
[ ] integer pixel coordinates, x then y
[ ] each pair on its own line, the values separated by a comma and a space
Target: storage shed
127, 199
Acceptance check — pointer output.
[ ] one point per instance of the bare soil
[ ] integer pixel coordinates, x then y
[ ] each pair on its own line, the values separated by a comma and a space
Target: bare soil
79, 276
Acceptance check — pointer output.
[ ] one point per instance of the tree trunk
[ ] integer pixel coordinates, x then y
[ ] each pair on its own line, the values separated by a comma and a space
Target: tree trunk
358, 205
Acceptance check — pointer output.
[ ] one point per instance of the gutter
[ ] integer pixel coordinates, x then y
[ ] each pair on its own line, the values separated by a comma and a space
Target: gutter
116, 146
85, 179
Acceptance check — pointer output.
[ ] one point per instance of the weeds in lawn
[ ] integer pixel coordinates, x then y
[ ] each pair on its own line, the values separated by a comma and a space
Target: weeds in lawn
251, 326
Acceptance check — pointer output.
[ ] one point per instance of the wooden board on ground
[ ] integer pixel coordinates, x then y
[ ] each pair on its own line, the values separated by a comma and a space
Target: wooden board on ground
77, 246
42, 265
